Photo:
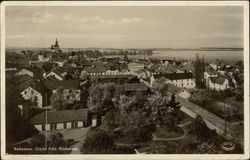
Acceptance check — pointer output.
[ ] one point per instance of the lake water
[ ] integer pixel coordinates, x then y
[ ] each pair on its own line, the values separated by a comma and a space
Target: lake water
226, 56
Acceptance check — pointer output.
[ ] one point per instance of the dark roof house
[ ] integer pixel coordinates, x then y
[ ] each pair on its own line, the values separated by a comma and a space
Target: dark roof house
50, 117
17, 80
175, 76
135, 87
71, 84
171, 88
95, 69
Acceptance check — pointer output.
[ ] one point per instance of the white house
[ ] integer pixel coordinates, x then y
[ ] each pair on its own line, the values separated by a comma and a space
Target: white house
95, 71
208, 74
175, 90
185, 80
35, 95
214, 66
60, 62
218, 83
143, 73
43, 57
113, 72
55, 74
133, 67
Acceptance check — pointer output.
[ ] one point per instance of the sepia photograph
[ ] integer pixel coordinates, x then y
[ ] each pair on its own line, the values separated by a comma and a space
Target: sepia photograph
141, 78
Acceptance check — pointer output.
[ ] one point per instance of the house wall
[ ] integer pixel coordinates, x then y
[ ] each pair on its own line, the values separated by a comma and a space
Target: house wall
73, 94
38, 127
60, 64
47, 127
94, 122
217, 86
41, 58
80, 124
68, 125
135, 67
112, 72
186, 83
30, 94
59, 126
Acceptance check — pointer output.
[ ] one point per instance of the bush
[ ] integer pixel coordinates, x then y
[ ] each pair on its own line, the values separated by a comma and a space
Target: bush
98, 141
228, 93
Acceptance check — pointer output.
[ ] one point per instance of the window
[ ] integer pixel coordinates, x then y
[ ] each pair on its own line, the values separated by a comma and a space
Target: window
74, 124
53, 126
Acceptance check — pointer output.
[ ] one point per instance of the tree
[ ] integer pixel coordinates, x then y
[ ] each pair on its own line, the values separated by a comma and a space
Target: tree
207, 148
200, 129
84, 97
240, 93
173, 108
125, 104
97, 142
57, 100
84, 75
102, 97
39, 140
55, 140
199, 69
136, 126
157, 105
111, 120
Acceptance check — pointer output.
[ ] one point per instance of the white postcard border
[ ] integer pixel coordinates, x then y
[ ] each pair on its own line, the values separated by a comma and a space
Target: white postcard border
130, 3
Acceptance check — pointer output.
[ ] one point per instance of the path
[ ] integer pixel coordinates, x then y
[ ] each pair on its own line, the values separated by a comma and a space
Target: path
175, 138
79, 136
212, 121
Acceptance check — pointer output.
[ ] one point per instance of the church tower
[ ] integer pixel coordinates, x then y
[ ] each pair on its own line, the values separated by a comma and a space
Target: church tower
55, 47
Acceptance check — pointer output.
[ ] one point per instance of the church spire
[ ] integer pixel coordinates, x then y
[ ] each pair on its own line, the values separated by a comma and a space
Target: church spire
56, 44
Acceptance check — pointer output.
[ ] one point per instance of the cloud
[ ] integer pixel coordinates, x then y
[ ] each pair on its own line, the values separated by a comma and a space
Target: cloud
42, 17
101, 20
131, 20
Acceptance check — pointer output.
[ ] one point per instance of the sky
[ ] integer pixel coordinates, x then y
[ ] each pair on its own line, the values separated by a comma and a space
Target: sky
124, 27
